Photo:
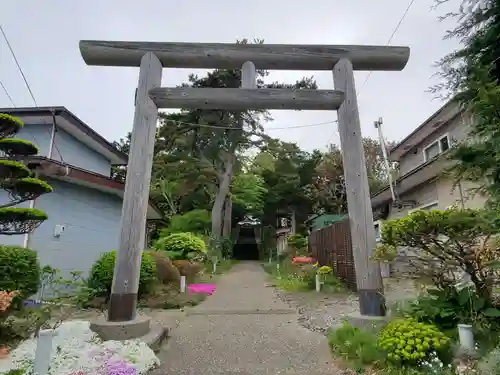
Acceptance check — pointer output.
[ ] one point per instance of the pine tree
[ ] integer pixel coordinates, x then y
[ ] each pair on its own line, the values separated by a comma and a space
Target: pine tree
16, 178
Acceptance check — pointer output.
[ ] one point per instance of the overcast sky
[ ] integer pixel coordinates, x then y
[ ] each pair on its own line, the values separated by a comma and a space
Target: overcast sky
45, 36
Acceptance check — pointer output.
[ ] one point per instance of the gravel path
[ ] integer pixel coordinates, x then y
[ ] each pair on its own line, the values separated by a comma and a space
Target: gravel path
244, 328
320, 311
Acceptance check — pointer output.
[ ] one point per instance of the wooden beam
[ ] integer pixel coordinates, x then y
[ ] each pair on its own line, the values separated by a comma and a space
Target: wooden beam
233, 55
239, 99
368, 277
123, 299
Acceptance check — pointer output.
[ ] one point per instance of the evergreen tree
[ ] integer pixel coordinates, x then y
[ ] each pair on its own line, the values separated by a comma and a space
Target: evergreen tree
16, 178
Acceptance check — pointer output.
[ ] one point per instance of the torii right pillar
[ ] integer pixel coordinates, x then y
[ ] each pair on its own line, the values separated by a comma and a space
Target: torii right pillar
368, 278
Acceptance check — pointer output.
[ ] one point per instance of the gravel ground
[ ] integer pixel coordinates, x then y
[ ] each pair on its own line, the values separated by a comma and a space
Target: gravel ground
319, 311
244, 328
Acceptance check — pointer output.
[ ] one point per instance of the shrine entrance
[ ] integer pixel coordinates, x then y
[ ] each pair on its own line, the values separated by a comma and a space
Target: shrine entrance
152, 57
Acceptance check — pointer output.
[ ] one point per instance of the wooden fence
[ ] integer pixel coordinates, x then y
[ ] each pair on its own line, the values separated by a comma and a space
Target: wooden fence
332, 246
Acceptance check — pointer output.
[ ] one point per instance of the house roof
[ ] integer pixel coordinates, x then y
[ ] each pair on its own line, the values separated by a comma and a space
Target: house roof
438, 119
61, 171
71, 124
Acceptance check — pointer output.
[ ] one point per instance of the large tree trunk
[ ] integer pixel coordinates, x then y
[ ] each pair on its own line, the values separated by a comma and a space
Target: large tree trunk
220, 198
228, 213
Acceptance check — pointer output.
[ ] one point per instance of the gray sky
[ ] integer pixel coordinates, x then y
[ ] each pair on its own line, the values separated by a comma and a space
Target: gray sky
45, 35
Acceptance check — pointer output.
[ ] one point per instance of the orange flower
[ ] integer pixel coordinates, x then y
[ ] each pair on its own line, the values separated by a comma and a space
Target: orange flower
6, 299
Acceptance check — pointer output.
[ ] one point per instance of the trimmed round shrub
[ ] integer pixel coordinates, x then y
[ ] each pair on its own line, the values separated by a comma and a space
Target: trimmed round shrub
408, 341
19, 270
166, 272
180, 245
101, 274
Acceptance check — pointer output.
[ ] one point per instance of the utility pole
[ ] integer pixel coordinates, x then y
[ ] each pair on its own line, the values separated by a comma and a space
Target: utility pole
378, 126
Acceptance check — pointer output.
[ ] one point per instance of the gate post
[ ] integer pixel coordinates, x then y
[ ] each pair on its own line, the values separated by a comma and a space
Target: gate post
368, 278
123, 299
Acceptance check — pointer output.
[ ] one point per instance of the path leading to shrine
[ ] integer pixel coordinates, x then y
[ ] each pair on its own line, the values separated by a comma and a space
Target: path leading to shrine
244, 328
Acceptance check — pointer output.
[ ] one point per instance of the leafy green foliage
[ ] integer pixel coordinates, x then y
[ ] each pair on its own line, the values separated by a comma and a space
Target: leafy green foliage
355, 344
19, 270
248, 191
296, 277
13, 169
101, 274
183, 245
471, 75
9, 125
16, 181
14, 146
449, 241
447, 308
408, 341
298, 243
21, 214
194, 221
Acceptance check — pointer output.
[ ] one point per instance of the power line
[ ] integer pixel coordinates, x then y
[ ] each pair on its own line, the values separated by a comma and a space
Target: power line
7, 93
398, 25
390, 39
18, 65
232, 128
27, 85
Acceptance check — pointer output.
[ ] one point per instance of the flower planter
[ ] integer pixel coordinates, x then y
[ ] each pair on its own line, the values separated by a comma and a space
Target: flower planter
43, 353
466, 336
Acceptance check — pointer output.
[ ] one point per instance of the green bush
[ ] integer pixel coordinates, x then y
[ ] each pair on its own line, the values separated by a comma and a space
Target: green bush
355, 344
298, 243
195, 221
101, 274
408, 341
19, 270
181, 245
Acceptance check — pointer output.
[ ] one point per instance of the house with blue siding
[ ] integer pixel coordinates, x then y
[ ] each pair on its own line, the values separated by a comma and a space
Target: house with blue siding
84, 208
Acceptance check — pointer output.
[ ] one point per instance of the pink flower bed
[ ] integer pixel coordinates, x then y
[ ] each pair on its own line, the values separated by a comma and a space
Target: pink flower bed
202, 288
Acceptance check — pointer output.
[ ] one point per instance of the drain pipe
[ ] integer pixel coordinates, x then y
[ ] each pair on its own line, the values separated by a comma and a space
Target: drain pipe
52, 136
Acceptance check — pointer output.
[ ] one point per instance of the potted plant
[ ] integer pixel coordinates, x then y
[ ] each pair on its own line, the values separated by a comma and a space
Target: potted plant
466, 294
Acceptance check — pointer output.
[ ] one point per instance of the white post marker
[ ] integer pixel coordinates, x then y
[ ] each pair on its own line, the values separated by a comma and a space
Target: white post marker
214, 264
43, 351
183, 284
318, 283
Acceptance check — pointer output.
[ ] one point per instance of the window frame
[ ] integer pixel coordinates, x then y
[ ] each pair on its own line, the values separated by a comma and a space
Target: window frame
438, 141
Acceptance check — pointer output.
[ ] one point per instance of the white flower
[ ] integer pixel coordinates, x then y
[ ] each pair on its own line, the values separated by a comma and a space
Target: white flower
76, 348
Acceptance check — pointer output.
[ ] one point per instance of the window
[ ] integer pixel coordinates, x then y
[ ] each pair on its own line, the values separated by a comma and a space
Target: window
377, 225
437, 147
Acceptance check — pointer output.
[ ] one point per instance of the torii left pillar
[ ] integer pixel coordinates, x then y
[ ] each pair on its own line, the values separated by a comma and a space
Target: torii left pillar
123, 298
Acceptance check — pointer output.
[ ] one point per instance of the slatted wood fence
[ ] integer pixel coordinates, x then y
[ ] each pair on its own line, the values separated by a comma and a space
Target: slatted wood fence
332, 246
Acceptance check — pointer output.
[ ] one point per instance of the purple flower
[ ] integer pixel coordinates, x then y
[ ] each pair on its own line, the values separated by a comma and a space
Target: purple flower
120, 368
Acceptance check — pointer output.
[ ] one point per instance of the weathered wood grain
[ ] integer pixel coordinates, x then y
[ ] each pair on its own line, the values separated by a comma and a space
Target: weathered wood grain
239, 99
368, 277
123, 299
233, 55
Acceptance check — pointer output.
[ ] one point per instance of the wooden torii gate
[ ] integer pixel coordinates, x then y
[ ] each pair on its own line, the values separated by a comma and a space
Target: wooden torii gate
152, 57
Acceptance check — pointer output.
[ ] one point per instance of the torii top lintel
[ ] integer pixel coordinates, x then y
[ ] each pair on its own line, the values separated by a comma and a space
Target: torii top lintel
233, 55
